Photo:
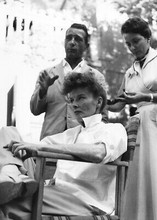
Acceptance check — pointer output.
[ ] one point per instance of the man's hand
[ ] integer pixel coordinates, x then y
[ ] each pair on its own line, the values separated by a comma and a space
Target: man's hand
45, 81
22, 150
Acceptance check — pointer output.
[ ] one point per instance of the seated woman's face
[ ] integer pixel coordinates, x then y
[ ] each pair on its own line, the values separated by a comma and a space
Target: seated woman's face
84, 103
137, 44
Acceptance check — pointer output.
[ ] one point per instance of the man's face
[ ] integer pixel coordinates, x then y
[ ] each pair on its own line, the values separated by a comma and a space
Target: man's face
75, 43
83, 103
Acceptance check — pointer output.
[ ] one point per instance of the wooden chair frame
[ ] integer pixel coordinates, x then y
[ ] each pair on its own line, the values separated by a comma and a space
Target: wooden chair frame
122, 170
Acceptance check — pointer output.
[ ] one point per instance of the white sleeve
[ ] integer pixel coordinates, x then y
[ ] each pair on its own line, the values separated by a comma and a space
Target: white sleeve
115, 142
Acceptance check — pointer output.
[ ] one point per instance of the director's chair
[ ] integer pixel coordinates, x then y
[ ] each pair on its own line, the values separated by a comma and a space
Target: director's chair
122, 165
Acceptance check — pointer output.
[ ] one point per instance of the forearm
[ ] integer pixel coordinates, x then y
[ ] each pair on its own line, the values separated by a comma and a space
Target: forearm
154, 98
117, 107
150, 97
141, 97
37, 105
88, 152
42, 93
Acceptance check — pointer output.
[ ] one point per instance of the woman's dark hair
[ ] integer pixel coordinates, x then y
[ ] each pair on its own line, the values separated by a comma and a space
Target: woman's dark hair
85, 80
84, 28
136, 25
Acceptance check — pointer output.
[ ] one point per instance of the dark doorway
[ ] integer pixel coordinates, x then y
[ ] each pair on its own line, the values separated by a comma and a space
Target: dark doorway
11, 120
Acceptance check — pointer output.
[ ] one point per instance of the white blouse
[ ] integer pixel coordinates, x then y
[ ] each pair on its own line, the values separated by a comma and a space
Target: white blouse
93, 183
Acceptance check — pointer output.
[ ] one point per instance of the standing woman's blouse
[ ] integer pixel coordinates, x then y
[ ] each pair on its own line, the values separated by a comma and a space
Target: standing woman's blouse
143, 79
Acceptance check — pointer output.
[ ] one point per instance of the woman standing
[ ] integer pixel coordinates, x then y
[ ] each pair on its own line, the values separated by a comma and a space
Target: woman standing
140, 87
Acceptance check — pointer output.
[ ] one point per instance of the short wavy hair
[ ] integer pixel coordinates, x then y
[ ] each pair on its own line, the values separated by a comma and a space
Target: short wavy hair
87, 80
136, 25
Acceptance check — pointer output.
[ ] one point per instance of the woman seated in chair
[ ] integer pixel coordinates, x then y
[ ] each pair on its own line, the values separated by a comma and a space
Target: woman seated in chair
80, 188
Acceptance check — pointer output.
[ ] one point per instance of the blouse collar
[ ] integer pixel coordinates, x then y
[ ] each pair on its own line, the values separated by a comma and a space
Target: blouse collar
148, 58
92, 120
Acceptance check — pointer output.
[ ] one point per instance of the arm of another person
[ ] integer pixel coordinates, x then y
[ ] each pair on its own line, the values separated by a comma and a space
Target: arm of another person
125, 97
116, 107
118, 103
132, 98
38, 102
37, 105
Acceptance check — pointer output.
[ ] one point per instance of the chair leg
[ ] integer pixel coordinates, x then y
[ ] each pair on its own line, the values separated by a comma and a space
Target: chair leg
120, 185
38, 196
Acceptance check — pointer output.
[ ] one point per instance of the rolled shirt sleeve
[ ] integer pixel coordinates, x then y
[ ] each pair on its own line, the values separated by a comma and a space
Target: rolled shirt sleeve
115, 142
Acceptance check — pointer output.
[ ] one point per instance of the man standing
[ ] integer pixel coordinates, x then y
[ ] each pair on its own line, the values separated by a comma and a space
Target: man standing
47, 96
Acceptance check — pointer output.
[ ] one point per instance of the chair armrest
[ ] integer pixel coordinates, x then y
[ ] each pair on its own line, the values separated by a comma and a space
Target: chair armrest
47, 154
56, 156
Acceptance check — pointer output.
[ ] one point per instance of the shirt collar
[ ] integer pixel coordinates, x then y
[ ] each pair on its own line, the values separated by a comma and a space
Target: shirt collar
148, 58
65, 63
92, 120
134, 71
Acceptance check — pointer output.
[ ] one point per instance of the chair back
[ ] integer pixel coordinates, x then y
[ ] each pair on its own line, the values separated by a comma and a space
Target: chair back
132, 130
